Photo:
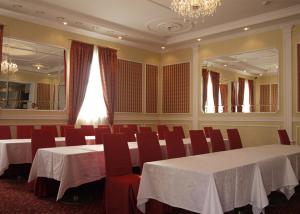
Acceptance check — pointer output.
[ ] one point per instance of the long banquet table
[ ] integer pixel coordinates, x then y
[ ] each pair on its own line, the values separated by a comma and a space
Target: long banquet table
219, 182
76, 165
18, 151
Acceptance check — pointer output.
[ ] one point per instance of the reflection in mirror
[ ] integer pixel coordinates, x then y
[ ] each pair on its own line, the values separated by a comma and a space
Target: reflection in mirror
32, 76
246, 82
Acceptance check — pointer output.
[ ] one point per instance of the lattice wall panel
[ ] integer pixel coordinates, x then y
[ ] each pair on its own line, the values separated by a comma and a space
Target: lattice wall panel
151, 88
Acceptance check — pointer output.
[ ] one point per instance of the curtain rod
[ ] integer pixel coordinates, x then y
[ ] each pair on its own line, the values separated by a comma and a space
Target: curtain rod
94, 44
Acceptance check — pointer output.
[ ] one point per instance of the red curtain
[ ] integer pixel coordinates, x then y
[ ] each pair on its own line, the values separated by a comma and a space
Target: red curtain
233, 97
224, 96
205, 81
80, 62
215, 80
1, 43
251, 95
241, 94
108, 68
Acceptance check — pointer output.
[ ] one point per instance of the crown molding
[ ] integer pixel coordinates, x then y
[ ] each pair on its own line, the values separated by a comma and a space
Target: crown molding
283, 13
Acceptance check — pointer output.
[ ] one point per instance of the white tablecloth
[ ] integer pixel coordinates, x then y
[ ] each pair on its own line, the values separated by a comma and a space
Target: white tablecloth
18, 151
219, 182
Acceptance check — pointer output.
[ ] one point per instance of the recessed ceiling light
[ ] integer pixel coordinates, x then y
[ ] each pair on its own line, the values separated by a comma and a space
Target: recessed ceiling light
49, 74
38, 67
225, 65
120, 37
65, 23
260, 75
244, 71
199, 39
246, 28
163, 47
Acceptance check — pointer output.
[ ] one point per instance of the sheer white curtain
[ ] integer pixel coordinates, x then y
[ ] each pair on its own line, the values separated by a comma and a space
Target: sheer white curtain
210, 106
93, 110
246, 101
220, 107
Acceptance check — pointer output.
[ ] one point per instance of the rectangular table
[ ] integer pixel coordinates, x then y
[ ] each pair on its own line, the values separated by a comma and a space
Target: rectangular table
18, 151
219, 182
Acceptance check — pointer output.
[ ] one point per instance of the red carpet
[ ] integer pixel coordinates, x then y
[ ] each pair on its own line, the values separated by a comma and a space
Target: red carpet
16, 198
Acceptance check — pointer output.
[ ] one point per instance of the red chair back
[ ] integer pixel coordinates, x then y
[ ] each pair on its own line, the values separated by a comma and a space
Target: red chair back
283, 136
24, 132
175, 147
5, 132
145, 129
162, 130
207, 131
103, 126
41, 139
99, 132
234, 139
51, 129
116, 128
179, 131
117, 156
198, 141
149, 148
217, 141
128, 133
75, 137
63, 129
133, 127
88, 130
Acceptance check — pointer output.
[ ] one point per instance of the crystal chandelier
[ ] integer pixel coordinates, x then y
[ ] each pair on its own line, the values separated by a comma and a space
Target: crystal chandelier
193, 9
7, 67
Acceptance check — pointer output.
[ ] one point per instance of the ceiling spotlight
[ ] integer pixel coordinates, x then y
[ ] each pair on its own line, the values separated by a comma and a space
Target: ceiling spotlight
225, 65
65, 23
38, 67
260, 75
48, 74
199, 39
163, 47
246, 28
244, 71
120, 37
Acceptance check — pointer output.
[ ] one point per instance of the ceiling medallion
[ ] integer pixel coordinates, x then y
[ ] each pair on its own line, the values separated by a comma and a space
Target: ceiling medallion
194, 9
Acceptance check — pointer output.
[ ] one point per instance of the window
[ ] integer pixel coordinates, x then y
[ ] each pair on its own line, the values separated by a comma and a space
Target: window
210, 106
246, 103
93, 109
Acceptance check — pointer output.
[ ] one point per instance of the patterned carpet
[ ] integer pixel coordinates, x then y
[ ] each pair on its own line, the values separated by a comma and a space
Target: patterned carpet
16, 198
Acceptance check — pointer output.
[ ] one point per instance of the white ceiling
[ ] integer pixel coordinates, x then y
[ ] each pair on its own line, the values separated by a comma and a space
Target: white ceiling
148, 23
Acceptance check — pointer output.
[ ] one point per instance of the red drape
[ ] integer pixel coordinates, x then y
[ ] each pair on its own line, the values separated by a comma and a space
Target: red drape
204, 89
233, 97
1, 42
80, 62
215, 80
251, 95
241, 94
108, 68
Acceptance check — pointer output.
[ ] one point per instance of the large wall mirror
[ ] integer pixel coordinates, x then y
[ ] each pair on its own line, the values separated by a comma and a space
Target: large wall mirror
32, 76
246, 82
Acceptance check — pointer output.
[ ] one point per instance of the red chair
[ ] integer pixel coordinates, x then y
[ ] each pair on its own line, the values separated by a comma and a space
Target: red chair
133, 128
234, 139
63, 129
198, 141
283, 136
116, 128
24, 132
103, 126
175, 147
179, 131
99, 132
50, 129
5, 132
217, 141
162, 129
121, 186
75, 137
88, 130
145, 129
207, 131
149, 148
128, 132
42, 139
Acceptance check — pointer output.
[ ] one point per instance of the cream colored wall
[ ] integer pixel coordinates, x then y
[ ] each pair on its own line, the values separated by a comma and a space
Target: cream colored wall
46, 35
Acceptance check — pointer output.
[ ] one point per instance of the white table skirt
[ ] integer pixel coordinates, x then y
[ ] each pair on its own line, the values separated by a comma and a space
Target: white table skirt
77, 165
219, 182
18, 151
